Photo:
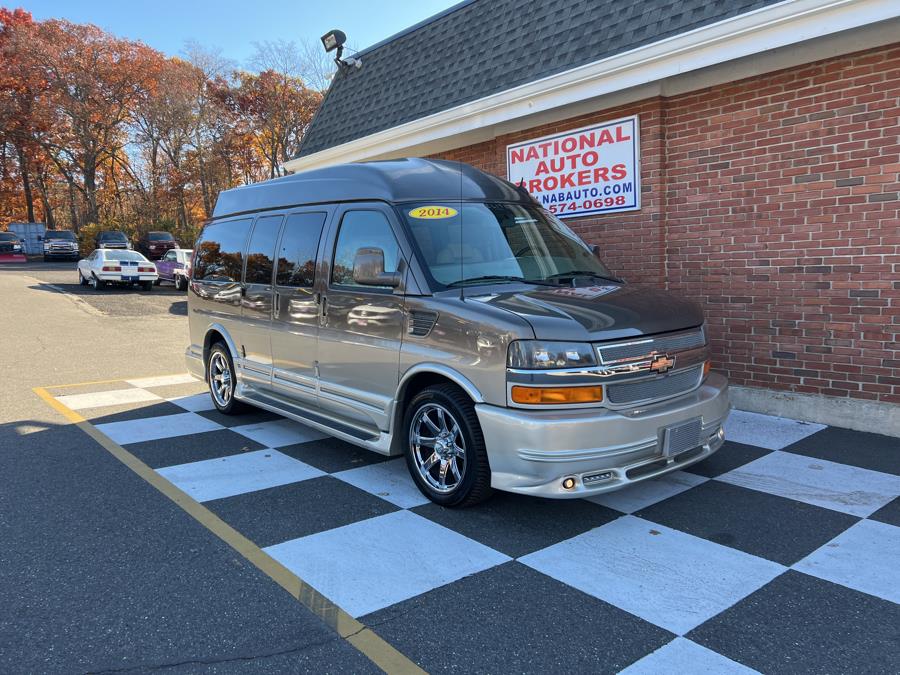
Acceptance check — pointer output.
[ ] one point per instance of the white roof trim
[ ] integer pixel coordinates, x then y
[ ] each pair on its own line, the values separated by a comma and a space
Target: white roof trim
764, 29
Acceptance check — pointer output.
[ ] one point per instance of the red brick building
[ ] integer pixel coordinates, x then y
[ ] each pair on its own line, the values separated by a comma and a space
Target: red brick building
769, 160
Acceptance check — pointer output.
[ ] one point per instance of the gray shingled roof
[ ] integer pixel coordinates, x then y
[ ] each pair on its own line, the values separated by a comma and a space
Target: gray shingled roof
482, 47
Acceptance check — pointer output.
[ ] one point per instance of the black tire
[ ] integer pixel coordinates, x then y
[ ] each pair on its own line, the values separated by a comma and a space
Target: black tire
157, 282
98, 284
180, 283
231, 406
474, 484
147, 286
81, 280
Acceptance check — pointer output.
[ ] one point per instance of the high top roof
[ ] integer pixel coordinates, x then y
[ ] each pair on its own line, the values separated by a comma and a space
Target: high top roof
396, 180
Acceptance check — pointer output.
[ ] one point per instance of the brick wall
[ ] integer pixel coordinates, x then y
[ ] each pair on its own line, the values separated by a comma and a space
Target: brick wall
774, 202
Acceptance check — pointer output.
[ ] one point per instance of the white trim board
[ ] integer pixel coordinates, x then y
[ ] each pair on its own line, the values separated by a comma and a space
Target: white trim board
755, 33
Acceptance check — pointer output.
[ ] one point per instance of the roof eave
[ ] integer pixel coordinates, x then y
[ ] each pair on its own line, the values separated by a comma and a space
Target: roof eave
772, 27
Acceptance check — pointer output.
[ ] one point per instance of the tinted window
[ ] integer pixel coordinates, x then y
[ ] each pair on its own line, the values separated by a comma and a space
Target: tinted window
112, 236
297, 255
363, 229
7, 236
65, 235
160, 236
261, 250
220, 251
124, 255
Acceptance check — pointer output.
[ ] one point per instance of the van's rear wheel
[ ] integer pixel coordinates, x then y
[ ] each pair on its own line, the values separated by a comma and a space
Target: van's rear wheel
221, 380
445, 449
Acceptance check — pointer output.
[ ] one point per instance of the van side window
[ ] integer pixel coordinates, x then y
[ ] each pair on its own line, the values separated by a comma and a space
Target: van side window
363, 229
297, 254
219, 255
261, 250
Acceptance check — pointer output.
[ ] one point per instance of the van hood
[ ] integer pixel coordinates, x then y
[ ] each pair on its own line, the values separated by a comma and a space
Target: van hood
596, 313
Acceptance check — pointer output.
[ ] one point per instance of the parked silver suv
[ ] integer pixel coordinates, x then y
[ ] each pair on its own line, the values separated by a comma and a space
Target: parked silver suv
428, 309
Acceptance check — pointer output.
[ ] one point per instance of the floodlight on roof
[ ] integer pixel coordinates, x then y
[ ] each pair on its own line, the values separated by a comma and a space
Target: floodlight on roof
334, 39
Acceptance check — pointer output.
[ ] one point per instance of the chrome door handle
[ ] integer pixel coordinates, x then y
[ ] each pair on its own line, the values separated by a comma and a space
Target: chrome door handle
276, 304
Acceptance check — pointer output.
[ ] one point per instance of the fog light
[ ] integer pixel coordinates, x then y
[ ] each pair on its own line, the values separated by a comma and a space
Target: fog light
568, 483
556, 395
721, 433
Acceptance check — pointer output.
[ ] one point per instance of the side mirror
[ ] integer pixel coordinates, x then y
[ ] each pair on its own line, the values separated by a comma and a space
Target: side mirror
368, 269
595, 249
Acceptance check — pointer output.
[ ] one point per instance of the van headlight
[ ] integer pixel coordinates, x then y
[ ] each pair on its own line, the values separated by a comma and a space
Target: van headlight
542, 355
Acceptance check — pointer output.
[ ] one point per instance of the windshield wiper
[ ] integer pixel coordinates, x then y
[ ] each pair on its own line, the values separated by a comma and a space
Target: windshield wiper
584, 273
499, 277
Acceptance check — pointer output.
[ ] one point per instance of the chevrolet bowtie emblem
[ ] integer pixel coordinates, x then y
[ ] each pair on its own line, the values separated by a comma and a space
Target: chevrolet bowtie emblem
662, 363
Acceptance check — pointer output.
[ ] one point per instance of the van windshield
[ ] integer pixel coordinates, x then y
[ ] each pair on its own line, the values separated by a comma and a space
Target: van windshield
470, 243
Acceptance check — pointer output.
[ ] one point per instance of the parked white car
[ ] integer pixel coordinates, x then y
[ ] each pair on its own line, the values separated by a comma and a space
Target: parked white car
112, 266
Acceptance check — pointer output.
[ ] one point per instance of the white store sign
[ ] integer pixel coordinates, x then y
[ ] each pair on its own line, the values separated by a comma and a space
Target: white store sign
585, 171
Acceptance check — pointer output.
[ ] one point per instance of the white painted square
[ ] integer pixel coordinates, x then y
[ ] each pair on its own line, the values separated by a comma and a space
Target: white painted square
101, 399
238, 474
767, 431
835, 486
375, 563
683, 656
278, 433
865, 557
195, 403
669, 578
389, 480
646, 493
155, 428
162, 380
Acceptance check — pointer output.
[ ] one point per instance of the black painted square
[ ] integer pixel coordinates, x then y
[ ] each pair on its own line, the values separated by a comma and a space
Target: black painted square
801, 624
278, 514
517, 525
331, 455
192, 448
252, 416
857, 448
512, 619
727, 458
764, 525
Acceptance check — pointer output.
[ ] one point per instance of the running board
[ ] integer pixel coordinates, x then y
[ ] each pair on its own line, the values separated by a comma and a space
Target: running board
380, 443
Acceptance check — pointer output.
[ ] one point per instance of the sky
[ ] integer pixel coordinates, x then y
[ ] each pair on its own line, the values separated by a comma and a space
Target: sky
234, 26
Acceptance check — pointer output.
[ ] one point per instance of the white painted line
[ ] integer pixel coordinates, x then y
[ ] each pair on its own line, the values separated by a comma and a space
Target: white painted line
389, 480
102, 399
162, 380
683, 656
646, 493
278, 433
839, 487
237, 474
767, 431
375, 563
195, 403
155, 428
865, 557
669, 578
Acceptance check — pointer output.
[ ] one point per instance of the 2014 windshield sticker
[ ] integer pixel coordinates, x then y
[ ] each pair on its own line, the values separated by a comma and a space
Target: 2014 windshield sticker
432, 212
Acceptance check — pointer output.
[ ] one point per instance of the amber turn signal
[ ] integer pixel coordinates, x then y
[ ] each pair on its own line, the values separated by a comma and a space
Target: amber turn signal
706, 366
556, 395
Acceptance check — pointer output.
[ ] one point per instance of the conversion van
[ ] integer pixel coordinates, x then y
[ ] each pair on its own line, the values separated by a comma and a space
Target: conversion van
427, 309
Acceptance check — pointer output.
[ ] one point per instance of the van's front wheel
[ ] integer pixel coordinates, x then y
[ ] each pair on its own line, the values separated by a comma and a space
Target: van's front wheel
445, 449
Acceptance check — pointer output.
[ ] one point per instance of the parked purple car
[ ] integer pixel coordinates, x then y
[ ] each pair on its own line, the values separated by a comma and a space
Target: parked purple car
175, 266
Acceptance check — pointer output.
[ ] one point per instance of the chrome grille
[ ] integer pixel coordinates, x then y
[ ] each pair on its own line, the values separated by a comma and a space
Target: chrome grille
645, 347
657, 388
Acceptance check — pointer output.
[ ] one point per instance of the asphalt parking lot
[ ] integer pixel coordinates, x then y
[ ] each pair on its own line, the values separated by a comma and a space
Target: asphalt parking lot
143, 530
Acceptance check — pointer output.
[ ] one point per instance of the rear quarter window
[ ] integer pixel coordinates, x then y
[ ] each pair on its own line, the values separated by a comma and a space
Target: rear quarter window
220, 251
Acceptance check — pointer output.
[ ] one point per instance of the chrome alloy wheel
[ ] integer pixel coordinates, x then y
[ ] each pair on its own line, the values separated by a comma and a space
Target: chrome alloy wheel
220, 379
438, 446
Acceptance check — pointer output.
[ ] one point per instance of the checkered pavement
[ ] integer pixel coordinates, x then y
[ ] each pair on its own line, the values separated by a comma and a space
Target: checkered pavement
781, 552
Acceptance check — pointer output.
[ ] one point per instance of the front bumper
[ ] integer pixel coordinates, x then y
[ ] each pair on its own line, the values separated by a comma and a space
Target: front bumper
532, 452
61, 253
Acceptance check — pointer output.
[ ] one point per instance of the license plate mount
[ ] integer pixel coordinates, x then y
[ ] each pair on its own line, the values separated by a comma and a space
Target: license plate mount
681, 437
